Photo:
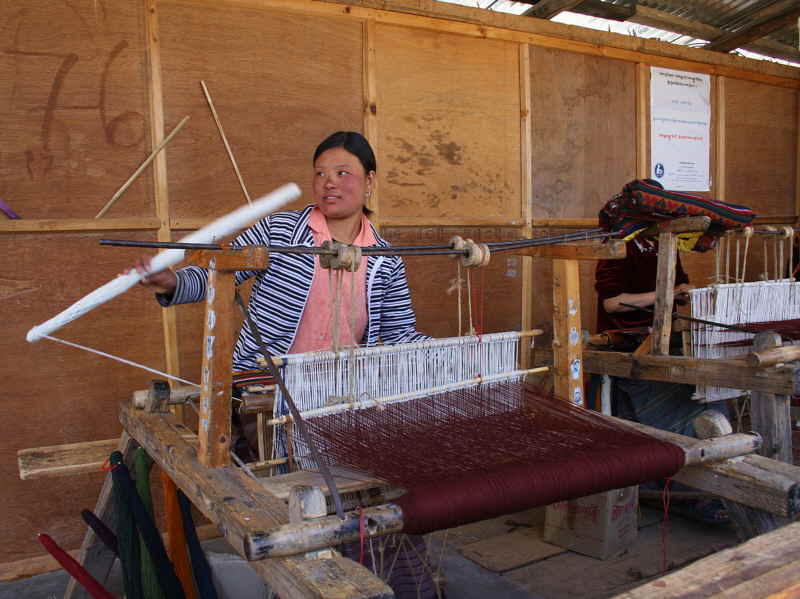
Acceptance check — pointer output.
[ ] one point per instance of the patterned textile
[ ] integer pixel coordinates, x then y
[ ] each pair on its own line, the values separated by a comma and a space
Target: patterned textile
644, 202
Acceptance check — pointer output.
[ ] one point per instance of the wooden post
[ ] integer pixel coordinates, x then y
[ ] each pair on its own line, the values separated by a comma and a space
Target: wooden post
214, 426
770, 414
749, 522
214, 423
308, 503
665, 292
567, 343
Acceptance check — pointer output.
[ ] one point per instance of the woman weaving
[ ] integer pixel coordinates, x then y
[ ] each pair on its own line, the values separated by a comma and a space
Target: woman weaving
292, 302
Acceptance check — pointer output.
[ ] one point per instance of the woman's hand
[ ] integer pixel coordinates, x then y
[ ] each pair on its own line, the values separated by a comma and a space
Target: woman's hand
682, 296
160, 282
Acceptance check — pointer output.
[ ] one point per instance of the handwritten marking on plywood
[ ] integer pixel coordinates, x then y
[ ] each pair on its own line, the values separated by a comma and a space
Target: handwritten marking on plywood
73, 107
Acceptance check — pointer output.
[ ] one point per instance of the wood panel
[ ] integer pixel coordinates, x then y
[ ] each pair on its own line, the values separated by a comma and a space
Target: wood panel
74, 108
280, 83
497, 288
761, 139
584, 131
449, 110
56, 394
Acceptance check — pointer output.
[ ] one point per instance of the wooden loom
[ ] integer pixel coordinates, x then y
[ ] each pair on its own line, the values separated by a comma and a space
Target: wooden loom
253, 515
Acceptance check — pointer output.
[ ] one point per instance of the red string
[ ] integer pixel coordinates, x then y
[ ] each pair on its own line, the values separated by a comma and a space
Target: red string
106, 466
482, 295
361, 534
665, 497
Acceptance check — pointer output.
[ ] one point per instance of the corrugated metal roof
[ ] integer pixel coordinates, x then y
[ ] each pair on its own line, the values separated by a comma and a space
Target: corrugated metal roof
698, 22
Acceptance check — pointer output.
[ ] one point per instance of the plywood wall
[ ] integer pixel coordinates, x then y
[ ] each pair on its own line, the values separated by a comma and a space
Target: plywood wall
477, 134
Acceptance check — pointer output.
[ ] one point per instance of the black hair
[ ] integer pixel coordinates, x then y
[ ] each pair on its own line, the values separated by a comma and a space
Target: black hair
353, 142
357, 145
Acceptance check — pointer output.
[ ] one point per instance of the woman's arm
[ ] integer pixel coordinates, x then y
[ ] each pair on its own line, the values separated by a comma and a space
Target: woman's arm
641, 300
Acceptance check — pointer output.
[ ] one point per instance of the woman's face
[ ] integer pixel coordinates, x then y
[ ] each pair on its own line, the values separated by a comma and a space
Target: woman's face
340, 184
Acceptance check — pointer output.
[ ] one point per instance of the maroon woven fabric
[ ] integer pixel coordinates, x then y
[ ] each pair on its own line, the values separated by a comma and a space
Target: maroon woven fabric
473, 454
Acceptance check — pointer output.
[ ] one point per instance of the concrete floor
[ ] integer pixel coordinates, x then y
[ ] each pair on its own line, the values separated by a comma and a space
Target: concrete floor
504, 558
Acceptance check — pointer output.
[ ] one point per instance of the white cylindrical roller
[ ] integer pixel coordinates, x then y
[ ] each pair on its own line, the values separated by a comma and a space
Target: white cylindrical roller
222, 227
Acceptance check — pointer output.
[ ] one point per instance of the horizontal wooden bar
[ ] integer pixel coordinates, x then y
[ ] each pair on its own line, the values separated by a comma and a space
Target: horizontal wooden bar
188, 223
64, 460
735, 374
462, 20
752, 480
566, 223
250, 257
612, 250
689, 224
243, 510
763, 567
459, 221
78, 224
773, 356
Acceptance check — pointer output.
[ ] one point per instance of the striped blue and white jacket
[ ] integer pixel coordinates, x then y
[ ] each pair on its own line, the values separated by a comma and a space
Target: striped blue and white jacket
279, 294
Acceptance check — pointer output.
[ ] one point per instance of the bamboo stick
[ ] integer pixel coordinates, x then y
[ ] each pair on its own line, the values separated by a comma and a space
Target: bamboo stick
142, 166
225, 140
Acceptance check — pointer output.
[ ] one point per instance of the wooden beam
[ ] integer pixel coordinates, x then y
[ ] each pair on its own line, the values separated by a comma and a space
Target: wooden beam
642, 120
665, 292
160, 186
720, 139
64, 460
78, 224
664, 20
461, 20
613, 250
769, 412
369, 89
604, 10
214, 420
653, 17
567, 342
681, 369
763, 567
547, 9
765, 23
526, 193
241, 508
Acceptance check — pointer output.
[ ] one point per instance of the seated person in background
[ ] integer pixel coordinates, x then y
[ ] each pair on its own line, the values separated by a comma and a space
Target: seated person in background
632, 280
662, 405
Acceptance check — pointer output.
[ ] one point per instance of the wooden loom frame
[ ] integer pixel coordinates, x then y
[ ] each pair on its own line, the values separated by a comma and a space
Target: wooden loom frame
246, 510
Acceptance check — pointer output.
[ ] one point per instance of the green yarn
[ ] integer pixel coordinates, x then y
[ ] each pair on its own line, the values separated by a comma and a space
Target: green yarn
142, 463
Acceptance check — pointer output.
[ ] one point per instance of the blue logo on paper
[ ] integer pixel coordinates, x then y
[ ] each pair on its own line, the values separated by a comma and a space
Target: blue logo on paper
659, 170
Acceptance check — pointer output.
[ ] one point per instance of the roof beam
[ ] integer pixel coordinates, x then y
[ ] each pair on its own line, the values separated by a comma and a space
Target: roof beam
763, 26
651, 17
547, 9
664, 20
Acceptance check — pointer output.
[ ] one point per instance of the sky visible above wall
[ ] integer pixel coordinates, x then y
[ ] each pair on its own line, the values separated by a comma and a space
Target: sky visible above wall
624, 28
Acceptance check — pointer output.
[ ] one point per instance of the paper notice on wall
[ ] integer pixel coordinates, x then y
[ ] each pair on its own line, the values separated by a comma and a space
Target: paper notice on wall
680, 116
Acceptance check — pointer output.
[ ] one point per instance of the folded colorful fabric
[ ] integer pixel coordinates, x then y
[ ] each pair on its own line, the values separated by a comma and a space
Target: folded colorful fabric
643, 202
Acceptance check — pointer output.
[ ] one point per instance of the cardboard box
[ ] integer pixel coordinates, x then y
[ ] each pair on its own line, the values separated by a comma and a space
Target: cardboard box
602, 525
